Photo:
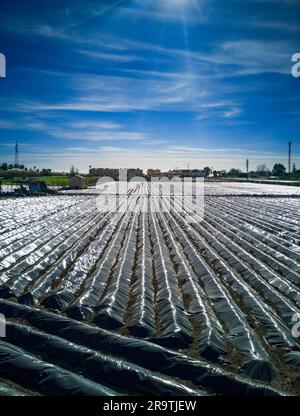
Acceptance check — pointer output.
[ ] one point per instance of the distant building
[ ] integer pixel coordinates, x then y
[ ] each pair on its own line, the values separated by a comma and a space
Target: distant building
177, 173
186, 173
154, 173
132, 173
114, 173
77, 182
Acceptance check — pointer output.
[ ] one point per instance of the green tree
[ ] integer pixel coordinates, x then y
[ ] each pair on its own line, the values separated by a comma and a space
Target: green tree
234, 172
278, 170
262, 170
46, 172
207, 171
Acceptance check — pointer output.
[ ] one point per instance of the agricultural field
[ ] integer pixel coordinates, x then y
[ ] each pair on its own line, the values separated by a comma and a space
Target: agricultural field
49, 180
147, 302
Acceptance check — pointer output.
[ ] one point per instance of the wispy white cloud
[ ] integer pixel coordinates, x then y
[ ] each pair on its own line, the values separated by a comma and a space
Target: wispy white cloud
84, 130
102, 93
194, 11
233, 112
104, 125
106, 56
96, 136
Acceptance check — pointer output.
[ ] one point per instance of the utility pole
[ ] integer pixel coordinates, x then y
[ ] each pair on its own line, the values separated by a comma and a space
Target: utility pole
16, 155
290, 157
247, 167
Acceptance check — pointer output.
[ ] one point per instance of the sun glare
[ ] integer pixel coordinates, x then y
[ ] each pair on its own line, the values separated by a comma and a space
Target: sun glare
176, 3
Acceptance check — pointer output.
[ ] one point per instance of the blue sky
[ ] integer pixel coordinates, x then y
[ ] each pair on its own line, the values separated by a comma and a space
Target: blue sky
149, 83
